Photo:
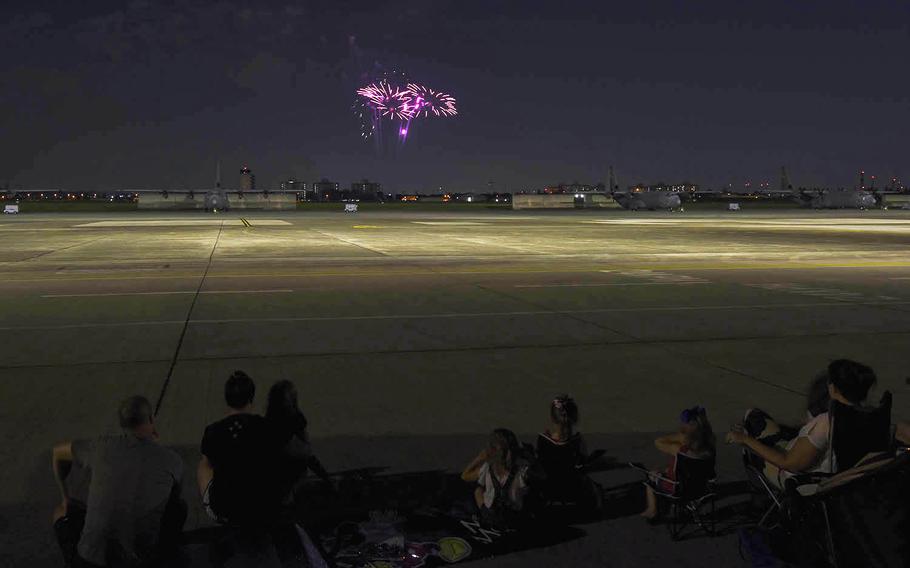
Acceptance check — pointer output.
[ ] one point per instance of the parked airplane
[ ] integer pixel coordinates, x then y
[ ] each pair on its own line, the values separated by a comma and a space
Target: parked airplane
833, 198
218, 198
651, 200
636, 199
838, 198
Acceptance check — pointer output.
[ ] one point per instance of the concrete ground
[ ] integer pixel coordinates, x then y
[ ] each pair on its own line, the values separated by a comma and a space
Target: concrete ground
411, 335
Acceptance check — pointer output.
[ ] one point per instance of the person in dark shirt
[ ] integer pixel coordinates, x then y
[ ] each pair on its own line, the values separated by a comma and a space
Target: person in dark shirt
562, 453
237, 459
133, 510
288, 426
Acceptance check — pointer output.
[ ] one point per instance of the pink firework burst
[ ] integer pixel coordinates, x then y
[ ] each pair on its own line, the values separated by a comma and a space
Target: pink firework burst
426, 101
388, 100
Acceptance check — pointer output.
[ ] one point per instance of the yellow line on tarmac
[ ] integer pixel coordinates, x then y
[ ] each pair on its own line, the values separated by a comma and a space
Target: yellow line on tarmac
430, 271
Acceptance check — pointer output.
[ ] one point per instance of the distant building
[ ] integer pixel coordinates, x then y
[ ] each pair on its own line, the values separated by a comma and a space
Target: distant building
682, 187
574, 188
292, 185
247, 179
366, 187
325, 190
685, 187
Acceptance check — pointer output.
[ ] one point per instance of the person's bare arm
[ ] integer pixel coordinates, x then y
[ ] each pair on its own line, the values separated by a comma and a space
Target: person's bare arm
670, 444
478, 496
62, 464
800, 457
471, 473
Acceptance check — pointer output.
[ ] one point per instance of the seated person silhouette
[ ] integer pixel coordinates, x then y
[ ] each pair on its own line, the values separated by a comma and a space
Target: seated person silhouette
562, 455
695, 439
133, 514
501, 476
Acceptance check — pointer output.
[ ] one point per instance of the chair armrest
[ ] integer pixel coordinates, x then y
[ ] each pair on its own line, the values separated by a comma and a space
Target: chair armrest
811, 477
659, 477
652, 475
808, 482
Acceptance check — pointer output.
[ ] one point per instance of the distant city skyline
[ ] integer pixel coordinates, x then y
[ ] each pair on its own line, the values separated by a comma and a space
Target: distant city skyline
246, 182
102, 96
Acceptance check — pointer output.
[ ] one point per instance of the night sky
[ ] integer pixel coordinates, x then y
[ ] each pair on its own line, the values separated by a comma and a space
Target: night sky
151, 94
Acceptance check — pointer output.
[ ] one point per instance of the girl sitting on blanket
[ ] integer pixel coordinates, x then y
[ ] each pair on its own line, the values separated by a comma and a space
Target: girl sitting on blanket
562, 456
501, 476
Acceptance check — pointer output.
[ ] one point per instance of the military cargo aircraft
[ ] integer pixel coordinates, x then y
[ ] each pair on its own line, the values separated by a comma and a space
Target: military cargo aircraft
650, 200
838, 199
636, 199
834, 198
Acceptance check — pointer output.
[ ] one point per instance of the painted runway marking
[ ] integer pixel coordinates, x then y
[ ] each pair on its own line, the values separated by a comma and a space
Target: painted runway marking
803, 265
448, 223
181, 223
658, 277
595, 285
487, 243
827, 293
351, 242
171, 293
398, 317
102, 270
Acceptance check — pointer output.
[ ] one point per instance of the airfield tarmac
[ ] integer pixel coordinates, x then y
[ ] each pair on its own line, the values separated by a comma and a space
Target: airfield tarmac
412, 334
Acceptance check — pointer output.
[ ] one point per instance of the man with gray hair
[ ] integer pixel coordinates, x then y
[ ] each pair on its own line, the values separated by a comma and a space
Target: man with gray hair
133, 505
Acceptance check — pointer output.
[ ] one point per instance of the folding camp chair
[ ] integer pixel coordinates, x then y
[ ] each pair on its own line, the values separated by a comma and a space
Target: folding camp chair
761, 486
692, 497
861, 516
856, 432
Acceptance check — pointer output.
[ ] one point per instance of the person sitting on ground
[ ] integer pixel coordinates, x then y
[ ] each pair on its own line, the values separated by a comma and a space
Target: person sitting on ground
695, 439
561, 453
133, 511
502, 480
237, 464
848, 382
289, 427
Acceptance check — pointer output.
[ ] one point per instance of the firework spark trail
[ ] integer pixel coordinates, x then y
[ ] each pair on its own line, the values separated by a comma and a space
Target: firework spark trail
394, 98
425, 100
389, 100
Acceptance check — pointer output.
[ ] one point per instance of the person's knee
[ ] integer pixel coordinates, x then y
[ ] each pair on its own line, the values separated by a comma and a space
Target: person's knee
903, 433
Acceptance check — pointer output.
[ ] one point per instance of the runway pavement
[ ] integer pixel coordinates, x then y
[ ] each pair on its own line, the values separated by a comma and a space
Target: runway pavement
410, 335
